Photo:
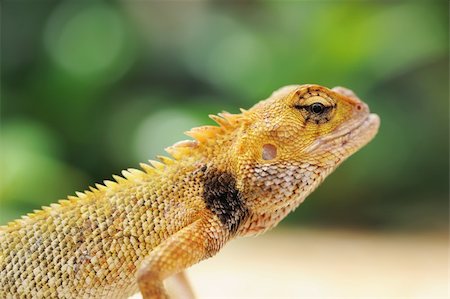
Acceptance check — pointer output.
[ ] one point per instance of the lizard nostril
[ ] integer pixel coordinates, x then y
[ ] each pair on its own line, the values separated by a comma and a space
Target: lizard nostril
358, 107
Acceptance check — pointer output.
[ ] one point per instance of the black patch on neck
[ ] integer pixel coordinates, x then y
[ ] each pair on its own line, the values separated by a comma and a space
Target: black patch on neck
224, 199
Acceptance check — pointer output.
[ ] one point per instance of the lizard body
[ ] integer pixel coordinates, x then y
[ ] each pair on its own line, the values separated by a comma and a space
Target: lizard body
236, 179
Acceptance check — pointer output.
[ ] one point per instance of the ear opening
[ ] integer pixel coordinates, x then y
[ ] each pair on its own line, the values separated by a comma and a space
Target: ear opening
269, 151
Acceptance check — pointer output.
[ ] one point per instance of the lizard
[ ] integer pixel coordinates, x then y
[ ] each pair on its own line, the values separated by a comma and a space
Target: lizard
240, 177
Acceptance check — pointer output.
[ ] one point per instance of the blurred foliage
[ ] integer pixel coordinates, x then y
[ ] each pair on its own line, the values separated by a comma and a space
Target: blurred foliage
90, 88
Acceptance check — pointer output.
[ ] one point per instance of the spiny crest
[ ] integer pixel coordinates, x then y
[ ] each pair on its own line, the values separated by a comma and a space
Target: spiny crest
204, 134
226, 121
128, 175
182, 149
166, 160
43, 212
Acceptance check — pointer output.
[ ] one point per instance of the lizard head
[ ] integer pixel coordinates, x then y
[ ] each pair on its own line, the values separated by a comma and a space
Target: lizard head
296, 137
307, 124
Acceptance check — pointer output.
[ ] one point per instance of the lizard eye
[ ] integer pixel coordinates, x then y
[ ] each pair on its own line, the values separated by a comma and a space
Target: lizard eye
315, 111
317, 108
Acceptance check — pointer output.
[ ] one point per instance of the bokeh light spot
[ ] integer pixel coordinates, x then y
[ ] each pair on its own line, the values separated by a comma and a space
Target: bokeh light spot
88, 41
250, 61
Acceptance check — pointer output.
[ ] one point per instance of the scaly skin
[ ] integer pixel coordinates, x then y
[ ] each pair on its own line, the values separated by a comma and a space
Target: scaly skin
239, 178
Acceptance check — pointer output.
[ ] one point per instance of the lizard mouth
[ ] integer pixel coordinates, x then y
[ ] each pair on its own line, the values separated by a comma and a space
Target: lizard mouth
359, 133
361, 125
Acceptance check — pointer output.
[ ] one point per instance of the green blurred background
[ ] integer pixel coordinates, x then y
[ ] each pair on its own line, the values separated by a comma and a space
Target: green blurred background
89, 88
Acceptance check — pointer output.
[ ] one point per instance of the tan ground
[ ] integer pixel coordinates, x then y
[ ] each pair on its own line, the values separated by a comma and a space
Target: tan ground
327, 264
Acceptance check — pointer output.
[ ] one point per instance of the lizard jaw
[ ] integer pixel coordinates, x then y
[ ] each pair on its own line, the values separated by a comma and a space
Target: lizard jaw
359, 134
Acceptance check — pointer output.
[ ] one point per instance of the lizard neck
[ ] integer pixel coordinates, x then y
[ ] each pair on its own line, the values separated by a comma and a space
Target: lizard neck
274, 190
